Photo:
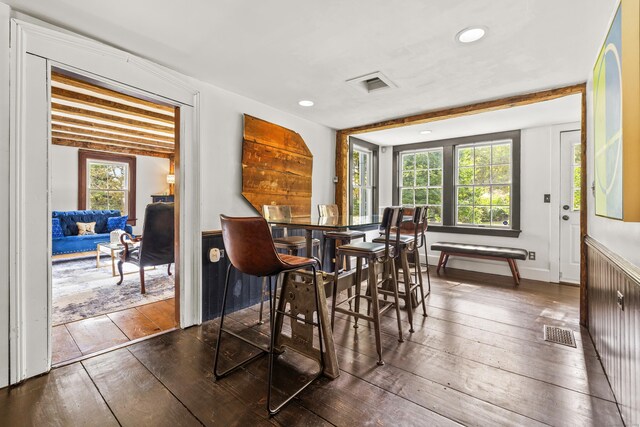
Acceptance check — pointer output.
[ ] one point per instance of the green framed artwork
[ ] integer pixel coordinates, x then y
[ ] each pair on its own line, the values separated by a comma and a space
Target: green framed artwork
616, 114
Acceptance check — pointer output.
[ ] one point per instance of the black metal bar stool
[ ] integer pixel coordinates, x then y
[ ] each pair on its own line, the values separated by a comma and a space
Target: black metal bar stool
291, 244
337, 238
381, 259
251, 251
411, 238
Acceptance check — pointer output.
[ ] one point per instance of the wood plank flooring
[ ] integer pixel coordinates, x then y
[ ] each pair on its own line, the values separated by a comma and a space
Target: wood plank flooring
87, 336
477, 359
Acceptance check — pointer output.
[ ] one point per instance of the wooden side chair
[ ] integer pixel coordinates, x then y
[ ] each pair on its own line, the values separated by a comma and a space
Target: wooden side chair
156, 243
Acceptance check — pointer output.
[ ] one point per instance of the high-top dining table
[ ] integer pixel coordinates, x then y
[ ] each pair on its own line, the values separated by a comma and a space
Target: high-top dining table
327, 223
294, 286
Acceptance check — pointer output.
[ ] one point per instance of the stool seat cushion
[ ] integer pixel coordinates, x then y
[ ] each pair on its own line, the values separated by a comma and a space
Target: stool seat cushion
362, 247
493, 251
343, 235
404, 239
297, 261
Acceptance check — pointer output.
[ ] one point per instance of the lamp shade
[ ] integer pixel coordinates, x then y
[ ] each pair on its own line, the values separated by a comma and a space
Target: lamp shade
171, 179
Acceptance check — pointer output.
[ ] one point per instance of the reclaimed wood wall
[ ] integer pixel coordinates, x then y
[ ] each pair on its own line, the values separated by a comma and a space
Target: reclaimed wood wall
276, 167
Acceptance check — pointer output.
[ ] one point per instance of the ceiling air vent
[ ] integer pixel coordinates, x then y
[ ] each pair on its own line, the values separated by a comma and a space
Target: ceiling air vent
373, 82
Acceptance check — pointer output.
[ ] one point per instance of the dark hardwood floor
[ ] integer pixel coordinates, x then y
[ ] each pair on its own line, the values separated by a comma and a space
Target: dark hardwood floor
478, 359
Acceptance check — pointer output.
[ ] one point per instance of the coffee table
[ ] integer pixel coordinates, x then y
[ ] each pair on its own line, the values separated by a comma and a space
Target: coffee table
111, 249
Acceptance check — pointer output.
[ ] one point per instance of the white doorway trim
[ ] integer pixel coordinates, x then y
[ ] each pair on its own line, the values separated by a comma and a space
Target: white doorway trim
30, 356
554, 208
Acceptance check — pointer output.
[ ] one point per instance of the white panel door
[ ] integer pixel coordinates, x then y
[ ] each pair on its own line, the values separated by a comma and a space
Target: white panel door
569, 215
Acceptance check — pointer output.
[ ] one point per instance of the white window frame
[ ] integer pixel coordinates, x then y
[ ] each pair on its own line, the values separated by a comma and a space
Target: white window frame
364, 208
401, 171
125, 210
457, 185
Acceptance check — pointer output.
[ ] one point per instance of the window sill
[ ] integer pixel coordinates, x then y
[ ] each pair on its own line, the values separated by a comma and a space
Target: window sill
474, 230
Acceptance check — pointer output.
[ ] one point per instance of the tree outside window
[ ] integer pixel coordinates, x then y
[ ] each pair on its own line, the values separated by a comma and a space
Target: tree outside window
107, 186
421, 181
483, 184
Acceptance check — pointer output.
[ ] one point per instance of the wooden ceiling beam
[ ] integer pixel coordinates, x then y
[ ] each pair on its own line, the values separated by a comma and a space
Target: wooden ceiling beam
61, 78
107, 128
59, 108
110, 142
104, 104
109, 136
109, 148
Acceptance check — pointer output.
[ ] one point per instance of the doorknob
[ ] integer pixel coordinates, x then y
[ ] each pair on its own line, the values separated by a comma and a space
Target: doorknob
566, 207
565, 217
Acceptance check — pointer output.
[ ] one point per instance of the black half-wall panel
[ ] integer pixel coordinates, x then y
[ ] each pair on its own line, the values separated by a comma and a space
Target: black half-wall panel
244, 290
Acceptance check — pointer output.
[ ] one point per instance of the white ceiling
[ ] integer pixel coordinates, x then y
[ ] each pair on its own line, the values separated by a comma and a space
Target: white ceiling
281, 51
562, 110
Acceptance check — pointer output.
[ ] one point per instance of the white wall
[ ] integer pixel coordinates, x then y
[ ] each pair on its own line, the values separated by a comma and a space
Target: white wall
539, 163
151, 178
221, 152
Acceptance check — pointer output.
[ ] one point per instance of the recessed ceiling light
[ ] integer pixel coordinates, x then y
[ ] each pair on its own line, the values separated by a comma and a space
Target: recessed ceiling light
471, 34
425, 132
306, 103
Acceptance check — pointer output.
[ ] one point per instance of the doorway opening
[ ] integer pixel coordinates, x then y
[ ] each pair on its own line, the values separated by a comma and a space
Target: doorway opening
113, 158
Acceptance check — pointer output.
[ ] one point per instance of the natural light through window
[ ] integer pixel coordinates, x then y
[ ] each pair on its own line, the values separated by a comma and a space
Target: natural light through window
107, 186
483, 184
421, 181
577, 172
362, 181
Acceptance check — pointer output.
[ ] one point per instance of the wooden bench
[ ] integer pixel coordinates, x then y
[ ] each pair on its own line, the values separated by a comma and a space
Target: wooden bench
510, 255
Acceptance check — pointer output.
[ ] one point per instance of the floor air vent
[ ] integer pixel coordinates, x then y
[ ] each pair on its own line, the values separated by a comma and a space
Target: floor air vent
559, 336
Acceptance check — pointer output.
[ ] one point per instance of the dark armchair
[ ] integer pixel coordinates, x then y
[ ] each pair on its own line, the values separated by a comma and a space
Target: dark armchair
156, 242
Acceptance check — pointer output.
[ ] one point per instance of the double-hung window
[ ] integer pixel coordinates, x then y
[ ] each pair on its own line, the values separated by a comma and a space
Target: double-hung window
470, 185
421, 181
483, 184
107, 181
363, 170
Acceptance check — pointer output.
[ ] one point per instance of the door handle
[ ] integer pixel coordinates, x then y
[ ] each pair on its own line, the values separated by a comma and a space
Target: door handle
565, 217
566, 207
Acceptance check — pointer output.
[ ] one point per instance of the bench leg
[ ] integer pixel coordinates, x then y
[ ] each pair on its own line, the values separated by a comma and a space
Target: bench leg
442, 254
514, 270
446, 260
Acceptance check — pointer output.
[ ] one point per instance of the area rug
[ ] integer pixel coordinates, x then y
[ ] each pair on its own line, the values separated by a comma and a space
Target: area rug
80, 290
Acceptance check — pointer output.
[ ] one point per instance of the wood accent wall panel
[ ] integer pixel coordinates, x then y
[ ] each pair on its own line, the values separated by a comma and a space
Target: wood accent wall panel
615, 331
277, 167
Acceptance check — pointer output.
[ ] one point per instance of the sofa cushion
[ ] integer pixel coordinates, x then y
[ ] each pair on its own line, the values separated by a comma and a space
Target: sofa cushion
56, 229
68, 220
116, 223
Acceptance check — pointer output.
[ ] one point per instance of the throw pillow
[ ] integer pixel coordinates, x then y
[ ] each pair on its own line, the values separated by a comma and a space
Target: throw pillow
117, 223
85, 228
56, 229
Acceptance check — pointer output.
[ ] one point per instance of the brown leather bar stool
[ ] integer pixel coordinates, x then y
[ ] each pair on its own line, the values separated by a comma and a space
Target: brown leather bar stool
337, 238
411, 239
251, 251
291, 244
380, 256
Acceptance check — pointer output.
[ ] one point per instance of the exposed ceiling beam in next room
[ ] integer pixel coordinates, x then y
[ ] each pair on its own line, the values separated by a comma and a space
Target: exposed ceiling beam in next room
88, 116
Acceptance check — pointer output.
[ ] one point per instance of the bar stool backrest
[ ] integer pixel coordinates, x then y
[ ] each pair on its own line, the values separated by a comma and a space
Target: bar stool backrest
277, 213
420, 225
249, 245
328, 211
391, 220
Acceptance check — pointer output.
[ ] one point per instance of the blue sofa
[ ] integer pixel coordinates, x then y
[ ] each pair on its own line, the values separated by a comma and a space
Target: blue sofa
72, 242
